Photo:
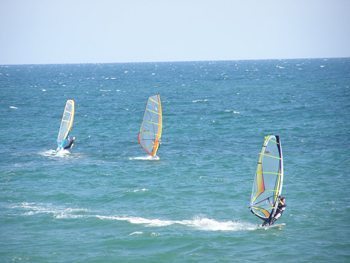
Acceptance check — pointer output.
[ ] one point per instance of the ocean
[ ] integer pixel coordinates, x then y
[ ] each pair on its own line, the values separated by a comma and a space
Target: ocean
105, 203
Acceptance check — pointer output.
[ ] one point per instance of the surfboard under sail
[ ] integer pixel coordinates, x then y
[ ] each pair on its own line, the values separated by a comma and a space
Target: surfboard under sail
267, 186
151, 127
66, 123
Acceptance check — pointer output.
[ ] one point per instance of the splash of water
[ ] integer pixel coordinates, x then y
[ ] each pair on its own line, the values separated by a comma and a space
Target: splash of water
199, 223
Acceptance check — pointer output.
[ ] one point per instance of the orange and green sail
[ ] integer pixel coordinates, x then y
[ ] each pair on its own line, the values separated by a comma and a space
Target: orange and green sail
151, 127
267, 186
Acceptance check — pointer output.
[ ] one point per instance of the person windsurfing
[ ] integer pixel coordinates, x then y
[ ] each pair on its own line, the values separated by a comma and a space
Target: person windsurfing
279, 211
69, 142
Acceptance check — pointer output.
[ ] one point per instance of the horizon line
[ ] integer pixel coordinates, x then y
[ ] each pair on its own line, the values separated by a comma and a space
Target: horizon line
170, 61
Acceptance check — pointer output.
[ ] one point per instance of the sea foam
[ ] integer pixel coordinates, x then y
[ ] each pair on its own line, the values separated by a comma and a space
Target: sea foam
199, 223
145, 158
205, 224
56, 212
54, 153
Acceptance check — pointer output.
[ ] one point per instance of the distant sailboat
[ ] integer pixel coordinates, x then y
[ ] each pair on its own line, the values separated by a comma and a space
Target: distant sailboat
66, 126
151, 127
267, 186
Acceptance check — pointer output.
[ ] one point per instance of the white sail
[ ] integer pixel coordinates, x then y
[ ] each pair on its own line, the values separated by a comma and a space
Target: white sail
66, 122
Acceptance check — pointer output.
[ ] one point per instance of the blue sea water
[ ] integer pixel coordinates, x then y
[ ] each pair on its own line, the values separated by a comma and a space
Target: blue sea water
101, 203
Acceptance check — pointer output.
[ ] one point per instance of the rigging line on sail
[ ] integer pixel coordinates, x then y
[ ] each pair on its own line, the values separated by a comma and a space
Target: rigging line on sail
269, 155
153, 111
154, 101
154, 123
274, 173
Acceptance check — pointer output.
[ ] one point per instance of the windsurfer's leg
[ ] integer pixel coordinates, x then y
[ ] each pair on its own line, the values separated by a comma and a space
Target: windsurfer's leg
275, 218
269, 220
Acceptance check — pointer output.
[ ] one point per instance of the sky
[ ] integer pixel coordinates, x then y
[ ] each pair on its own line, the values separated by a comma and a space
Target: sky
116, 31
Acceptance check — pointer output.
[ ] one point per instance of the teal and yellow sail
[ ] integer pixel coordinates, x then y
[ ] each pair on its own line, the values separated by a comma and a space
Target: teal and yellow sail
267, 186
151, 127
66, 123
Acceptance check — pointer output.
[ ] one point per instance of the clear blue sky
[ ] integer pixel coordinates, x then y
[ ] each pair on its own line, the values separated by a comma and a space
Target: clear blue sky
83, 31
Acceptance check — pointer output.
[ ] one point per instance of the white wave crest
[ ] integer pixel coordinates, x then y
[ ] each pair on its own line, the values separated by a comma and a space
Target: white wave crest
13, 107
56, 212
201, 100
136, 233
139, 190
233, 111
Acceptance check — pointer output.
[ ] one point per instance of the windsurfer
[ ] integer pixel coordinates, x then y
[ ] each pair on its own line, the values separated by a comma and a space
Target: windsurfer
69, 143
279, 211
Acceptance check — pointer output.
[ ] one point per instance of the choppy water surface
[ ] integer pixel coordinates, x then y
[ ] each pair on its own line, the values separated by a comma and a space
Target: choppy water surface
104, 202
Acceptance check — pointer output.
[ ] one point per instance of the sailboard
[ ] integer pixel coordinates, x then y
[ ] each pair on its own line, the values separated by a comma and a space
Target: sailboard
151, 127
268, 182
279, 226
66, 123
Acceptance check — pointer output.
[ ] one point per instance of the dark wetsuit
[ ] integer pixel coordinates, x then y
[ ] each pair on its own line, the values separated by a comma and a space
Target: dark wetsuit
280, 208
279, 211
70, 144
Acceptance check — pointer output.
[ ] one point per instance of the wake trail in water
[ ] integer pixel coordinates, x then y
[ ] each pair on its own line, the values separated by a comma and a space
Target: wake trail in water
60, 154
145, 158
199, 223
205, 224
54, 153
